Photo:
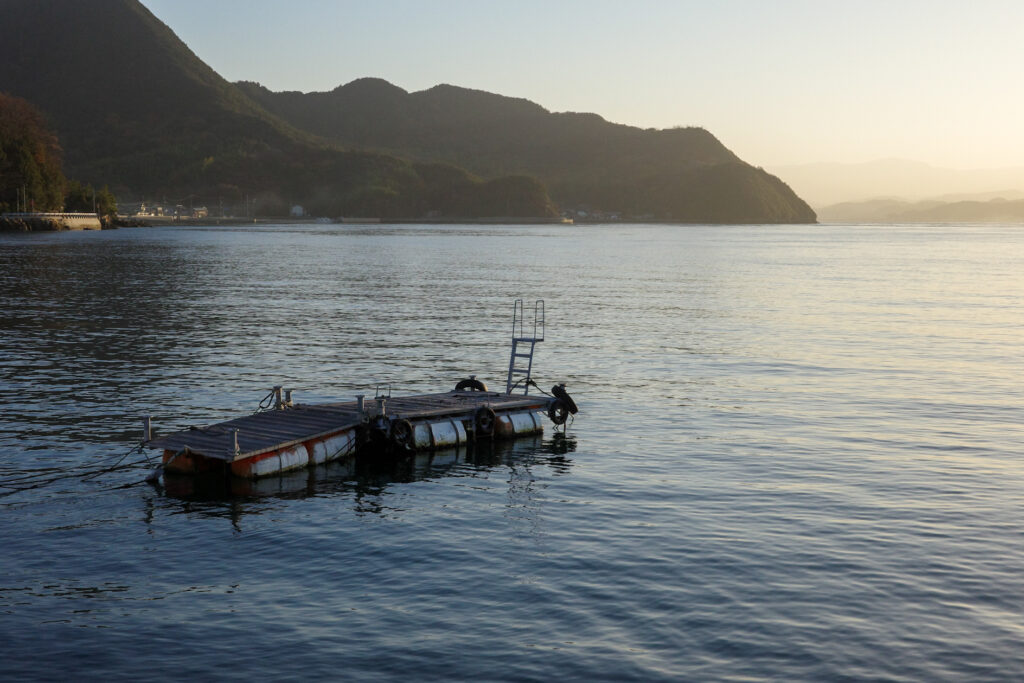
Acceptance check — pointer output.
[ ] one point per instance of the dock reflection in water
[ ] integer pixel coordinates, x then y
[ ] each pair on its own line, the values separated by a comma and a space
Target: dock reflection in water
365, 478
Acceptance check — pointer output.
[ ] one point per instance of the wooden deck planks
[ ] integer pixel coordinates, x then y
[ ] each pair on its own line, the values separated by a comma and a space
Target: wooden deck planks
274, 429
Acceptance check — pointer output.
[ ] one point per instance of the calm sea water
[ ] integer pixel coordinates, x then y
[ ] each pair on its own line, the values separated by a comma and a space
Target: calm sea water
799, 456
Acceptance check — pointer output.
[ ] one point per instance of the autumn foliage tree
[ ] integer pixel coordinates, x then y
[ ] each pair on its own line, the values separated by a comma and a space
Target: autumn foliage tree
30, 159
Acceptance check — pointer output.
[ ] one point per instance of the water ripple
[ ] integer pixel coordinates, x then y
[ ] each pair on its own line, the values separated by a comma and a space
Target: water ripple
797, 456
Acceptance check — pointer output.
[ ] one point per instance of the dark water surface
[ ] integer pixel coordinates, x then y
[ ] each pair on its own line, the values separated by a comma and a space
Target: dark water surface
800, 455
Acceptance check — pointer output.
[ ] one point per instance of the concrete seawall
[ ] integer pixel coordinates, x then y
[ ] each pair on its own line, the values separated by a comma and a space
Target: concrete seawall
38, 220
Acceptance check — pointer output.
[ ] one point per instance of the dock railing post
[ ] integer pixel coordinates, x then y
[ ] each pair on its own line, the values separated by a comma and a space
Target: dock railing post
147, 429
361, 403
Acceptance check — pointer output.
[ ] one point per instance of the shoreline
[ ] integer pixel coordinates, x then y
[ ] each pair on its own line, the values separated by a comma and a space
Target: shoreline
153, 221
45, 223
49, 221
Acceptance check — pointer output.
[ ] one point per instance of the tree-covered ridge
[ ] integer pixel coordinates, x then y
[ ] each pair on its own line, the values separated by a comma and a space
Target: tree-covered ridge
681, 174
136, 109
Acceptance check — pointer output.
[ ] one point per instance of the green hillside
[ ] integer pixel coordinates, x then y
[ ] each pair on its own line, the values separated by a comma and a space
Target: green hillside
586, 162
135, 109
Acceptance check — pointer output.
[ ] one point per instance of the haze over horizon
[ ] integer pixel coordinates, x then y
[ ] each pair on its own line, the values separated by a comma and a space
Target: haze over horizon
780, 84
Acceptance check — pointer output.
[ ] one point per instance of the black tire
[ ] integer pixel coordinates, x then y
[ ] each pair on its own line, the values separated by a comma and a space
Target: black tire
559, 391
470, 385
558, 411
484, 421
403, 435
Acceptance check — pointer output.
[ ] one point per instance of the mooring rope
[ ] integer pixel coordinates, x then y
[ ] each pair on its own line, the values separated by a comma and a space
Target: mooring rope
45, 476
537, 387
264, 405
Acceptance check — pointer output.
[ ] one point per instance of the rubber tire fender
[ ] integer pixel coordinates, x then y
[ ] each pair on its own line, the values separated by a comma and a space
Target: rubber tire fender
470, 385
402, 435
558, 411
484, 421
559, 391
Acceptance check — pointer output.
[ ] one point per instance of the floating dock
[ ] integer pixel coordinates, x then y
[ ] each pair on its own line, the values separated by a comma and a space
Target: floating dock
285, 436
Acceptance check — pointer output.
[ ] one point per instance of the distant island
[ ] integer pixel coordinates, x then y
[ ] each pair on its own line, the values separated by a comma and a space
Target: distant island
903, 191
995, 210
135, 109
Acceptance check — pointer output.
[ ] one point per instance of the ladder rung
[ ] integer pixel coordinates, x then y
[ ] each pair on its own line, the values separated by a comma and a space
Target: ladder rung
523, 355
517, 371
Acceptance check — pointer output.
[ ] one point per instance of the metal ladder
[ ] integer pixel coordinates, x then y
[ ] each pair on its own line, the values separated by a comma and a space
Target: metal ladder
520, 363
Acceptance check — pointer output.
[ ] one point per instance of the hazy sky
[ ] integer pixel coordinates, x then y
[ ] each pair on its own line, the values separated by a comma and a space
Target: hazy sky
777, 81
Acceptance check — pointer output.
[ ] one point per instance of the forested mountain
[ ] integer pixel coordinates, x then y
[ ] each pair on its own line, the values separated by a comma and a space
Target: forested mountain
134, 108
586, 162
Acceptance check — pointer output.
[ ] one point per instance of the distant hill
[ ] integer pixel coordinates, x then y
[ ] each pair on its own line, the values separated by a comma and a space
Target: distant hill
827, 184
682, 174
134, 108
998, 210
